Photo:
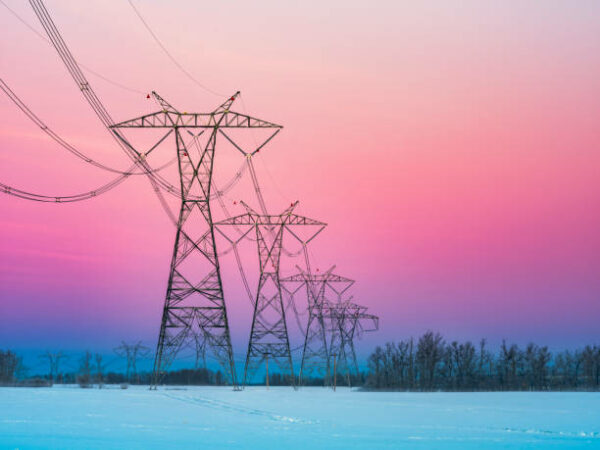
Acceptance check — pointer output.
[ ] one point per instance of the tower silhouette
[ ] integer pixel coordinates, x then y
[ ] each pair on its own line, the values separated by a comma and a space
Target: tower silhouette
319, 288
346, 321
194, 305
269, 338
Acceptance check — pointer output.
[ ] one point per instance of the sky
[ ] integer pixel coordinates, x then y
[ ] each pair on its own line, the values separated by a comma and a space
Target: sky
451, 147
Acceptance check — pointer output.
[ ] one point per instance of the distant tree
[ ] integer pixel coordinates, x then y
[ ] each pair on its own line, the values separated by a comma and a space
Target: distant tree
84, 378
465, 362
391, 365
590, 357
375, 364
412, 371
485, 367
430, 351
460, 366
536, 361
53, 363
566, 369
447, 371
509, 367
405, 364
99, 369
10, 366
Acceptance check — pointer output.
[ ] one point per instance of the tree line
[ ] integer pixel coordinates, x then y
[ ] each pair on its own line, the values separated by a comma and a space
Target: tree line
432, 364
92, 372
427, 364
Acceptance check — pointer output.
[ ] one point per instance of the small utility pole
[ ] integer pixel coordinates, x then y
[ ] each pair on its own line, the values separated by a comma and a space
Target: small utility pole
267, 363
334, 372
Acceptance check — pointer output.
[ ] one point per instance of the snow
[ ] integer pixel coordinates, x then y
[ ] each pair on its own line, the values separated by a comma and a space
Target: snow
310, 418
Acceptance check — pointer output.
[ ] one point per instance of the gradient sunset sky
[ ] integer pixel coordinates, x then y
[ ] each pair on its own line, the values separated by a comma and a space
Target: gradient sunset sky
452, 148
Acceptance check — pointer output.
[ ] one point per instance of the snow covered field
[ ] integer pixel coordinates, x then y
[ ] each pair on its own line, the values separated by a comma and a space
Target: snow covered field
212, 417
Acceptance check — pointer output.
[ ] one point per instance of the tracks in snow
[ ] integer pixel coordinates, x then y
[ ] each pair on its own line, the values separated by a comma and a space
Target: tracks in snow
227, 406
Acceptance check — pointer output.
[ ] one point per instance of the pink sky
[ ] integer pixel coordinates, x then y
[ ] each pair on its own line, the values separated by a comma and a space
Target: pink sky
453, 151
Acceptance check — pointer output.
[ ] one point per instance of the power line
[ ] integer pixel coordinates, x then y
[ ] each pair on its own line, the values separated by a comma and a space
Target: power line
58, 139
84, 86
15, 192
93, 72
170, 56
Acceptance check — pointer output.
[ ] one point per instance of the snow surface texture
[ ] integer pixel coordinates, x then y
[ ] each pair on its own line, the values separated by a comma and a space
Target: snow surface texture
310, 418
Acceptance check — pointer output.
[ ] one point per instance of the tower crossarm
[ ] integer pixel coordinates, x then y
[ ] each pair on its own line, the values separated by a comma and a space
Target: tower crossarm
165, 105
318, 282
369, 318
242, 219
268, 219
169, 118
343, 309
317, 278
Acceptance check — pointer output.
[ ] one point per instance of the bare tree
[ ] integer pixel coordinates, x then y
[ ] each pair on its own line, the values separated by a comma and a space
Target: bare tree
485, 366
536, 361
412, 372
84, 379
99, 368
465, 361
375, 364
509, 366
54, 364
460, 366
565, 372
430, 351
10, 365
590, 357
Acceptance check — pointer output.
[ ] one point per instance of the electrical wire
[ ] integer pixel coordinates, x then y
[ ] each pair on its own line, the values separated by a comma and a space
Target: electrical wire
63, 198
93, 72
155, 180
58, 139
169, 55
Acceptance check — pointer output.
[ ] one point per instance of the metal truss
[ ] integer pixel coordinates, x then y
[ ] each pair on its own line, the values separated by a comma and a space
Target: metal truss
194, 310
346, 321
269, 340
319, 286
169, 119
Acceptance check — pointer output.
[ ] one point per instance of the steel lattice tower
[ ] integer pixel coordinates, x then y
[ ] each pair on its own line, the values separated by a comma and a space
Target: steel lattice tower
269, 335
345, 323
194, 305
315, 352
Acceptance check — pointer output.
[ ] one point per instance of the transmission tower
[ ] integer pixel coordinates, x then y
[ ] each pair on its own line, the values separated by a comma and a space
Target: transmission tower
131, 352
319, 286
347, 321
194, 303
200, 347
269, 338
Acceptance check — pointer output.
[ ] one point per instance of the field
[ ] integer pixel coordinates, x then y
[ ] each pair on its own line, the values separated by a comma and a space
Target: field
310, 418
